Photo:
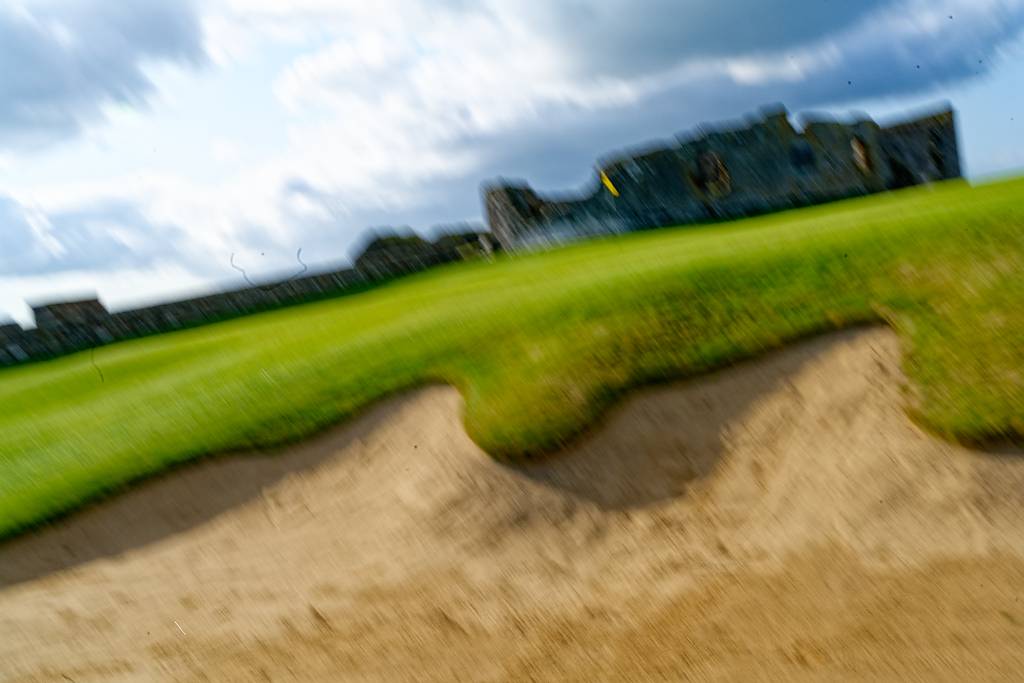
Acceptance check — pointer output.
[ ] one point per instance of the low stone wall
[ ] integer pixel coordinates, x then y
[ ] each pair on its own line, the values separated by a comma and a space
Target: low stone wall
68, 327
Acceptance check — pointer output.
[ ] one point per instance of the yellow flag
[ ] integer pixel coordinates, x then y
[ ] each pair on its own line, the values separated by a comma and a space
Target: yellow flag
608, 183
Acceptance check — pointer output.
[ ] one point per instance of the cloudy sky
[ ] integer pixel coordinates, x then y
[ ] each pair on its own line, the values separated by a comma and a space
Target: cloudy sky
143, 142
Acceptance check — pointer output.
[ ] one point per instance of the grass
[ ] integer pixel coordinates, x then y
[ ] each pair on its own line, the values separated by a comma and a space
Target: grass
541, 345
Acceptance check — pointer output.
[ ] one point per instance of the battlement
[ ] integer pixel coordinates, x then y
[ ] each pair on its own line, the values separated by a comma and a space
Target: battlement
755, 166
713, 173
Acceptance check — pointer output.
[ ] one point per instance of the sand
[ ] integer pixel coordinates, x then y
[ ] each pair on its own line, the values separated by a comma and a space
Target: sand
781, 520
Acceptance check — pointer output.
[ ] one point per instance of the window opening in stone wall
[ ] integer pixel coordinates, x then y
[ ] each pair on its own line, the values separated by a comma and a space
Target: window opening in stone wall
712, 176
801, 154
861, 156
900, 174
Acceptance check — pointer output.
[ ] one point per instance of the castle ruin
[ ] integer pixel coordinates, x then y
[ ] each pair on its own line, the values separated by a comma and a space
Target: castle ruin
766, 165
69, 326
762, 166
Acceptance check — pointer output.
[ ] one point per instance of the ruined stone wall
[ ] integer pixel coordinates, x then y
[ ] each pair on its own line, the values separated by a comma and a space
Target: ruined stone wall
714, 174
762, 165
67, 327
921, 151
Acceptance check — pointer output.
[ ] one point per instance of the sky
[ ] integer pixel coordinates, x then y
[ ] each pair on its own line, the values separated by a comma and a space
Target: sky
145, 144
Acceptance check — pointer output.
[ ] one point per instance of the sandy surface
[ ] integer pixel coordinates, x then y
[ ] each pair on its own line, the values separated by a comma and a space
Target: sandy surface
782, 520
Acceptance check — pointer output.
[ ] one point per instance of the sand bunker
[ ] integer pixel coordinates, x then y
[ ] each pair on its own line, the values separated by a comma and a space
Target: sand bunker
782, 520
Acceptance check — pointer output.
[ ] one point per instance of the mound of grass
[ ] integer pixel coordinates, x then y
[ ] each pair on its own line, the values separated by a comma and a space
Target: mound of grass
541, 345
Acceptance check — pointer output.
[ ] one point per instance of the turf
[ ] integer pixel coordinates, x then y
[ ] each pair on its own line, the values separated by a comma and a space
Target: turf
541, 345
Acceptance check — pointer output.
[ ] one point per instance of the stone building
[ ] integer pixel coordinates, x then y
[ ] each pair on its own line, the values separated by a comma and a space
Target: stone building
763, 165
12, 344
391, 253
70, 326
86, 320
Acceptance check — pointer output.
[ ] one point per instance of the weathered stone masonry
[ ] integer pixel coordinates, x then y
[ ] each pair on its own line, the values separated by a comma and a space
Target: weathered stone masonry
66, 327
766, 165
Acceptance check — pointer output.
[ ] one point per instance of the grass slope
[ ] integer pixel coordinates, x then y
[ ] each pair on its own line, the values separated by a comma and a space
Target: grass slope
540, 346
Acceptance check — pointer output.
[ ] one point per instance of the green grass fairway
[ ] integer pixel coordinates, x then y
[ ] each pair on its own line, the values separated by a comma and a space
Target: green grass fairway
541, 345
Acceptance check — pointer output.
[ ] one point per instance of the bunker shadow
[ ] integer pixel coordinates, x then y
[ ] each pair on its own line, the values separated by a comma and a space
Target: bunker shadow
656, 443
651, 446
179, 500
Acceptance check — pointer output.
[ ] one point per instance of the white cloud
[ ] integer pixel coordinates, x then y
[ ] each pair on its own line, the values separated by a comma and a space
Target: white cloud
118, 289
64, 61
389, 106
225, 151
